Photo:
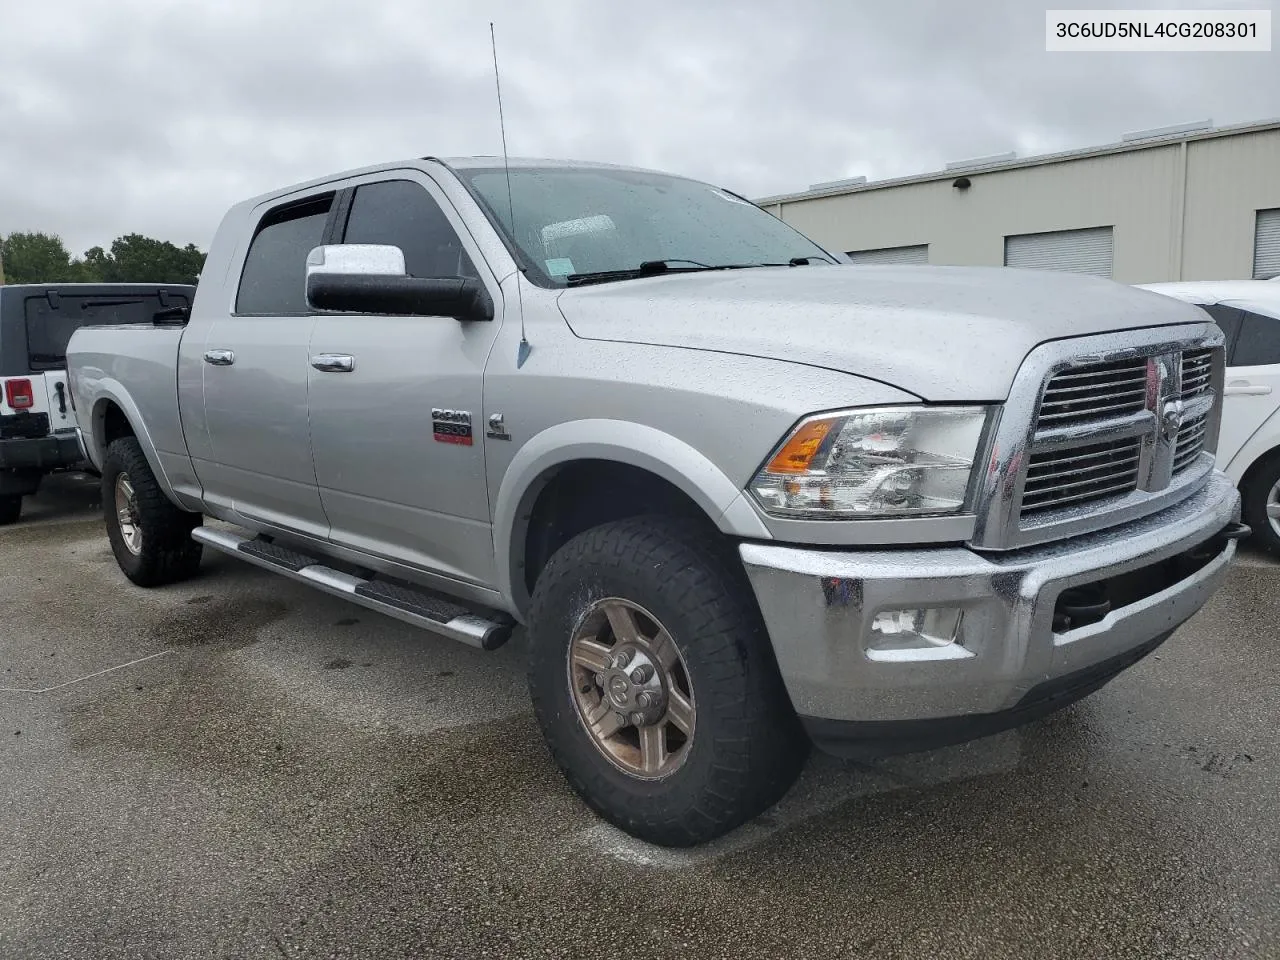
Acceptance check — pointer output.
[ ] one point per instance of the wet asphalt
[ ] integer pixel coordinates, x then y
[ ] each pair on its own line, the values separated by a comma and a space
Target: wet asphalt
241, 767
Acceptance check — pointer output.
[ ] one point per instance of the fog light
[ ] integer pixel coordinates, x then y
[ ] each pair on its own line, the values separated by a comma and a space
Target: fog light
924, 633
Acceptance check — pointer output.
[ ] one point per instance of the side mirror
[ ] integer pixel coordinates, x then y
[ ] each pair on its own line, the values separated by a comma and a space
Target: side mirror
370, 278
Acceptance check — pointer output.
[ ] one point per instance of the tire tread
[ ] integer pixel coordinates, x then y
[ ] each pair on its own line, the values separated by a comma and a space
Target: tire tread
759, 748
168, 553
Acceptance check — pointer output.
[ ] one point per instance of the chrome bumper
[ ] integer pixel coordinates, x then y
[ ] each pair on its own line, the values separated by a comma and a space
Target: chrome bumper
818, 607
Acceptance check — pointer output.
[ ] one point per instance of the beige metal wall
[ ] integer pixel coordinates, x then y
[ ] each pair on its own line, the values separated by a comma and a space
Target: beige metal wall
1158, 234
1228, 180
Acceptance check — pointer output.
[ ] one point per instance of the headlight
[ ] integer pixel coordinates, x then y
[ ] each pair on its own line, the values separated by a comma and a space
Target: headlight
876, 462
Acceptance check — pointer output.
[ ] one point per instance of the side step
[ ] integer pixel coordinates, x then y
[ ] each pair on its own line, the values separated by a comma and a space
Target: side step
419, 607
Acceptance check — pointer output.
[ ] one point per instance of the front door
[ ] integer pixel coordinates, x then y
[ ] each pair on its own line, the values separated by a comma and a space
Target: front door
396, 402
255, 362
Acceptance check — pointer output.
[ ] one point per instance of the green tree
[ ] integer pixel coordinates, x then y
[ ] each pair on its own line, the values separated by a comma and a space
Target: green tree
36, 258
138, 259
133, 258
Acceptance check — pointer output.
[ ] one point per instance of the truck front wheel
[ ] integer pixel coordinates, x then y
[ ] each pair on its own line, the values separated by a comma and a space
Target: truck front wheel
150, 536
653, 681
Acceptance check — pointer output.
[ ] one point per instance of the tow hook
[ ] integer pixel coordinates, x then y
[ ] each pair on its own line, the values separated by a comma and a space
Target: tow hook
1213, 546
1091, 602
1079, 606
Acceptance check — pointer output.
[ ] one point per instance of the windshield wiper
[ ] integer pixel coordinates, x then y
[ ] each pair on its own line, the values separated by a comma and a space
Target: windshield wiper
651, 268
90, 304
647, 268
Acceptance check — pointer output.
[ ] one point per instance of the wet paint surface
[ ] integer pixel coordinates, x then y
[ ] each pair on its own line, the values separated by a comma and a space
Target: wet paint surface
297, 777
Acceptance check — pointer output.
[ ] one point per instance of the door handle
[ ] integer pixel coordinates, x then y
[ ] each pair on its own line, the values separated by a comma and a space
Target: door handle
334, 362
1243, 388
219, 358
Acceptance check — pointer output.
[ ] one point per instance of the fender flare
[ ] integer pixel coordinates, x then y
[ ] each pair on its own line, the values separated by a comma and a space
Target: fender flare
112, 391
620, 441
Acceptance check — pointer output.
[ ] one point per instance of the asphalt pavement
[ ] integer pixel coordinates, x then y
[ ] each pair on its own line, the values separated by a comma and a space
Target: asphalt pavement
239, 766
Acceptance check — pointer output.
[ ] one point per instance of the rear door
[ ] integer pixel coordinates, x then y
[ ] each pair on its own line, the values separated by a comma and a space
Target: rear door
1252, 388
255, 378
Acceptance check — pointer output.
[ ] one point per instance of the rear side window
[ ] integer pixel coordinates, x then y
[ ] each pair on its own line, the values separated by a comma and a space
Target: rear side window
1259, 342
401, 213
274, 277
51, 320
1228, 318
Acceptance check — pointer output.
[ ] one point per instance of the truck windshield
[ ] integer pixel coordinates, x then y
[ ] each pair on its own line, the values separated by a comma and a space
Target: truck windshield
575, 224
52, 320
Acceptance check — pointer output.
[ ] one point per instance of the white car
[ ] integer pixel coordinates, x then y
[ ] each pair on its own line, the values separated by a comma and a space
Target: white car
1248, 311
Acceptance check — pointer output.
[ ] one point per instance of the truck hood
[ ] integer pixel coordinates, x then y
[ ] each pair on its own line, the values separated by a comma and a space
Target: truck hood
942, 333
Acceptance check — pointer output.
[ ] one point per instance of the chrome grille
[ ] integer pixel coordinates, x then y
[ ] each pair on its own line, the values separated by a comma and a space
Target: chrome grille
1100, 430
1190, 442
1100, 435
1103, 390
1197, 373
1062, 477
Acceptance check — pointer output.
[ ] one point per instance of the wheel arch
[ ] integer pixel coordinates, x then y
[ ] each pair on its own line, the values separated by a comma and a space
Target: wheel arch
1261, 444
115, 415
667, 470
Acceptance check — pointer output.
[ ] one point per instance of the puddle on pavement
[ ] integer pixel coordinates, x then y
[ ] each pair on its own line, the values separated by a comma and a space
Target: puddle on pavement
229, 621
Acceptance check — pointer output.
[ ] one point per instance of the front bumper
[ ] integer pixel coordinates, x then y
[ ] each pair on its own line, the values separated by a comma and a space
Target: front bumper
42, 453
819, 605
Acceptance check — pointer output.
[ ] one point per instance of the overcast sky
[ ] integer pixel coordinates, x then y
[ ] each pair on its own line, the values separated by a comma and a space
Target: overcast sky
154, 115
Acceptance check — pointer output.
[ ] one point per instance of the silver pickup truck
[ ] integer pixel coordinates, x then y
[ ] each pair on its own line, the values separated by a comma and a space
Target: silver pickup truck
744, 496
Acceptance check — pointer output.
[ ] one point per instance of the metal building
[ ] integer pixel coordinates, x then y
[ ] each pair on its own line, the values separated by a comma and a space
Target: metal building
1191, 202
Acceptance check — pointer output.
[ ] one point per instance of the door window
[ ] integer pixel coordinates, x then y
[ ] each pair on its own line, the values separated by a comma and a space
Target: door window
1228, 318
273, 281
1259, 342
402, 214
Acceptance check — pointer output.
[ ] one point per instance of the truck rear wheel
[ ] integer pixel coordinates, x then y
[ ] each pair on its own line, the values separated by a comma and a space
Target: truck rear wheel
10, 509
150, 536
653, 681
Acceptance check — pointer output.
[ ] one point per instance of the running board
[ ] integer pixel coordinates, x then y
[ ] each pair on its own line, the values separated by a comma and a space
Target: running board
421, 608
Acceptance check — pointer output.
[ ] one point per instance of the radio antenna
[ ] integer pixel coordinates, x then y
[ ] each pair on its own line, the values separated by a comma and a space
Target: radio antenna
522, 354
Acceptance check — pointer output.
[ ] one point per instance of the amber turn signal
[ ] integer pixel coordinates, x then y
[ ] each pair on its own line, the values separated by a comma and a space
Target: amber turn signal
801, 448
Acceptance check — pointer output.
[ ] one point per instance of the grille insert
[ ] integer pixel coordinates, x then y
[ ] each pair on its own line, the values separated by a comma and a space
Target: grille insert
1080, 474
1100, 391
1190, 443
1197, 373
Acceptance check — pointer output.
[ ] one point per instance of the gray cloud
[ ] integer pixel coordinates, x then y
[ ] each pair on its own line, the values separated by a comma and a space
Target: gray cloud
155, 116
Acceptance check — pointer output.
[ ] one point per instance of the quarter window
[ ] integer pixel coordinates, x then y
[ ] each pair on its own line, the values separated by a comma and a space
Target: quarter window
273, 281
401, 213
1228, 318
1259, 342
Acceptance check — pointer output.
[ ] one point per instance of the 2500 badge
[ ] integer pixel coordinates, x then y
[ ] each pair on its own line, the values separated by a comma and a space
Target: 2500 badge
451, 426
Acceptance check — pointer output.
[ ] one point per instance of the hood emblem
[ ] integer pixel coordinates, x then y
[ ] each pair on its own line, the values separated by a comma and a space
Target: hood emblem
1171, 419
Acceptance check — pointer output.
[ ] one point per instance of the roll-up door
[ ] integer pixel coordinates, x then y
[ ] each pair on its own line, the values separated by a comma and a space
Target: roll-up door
914, 254
1072, 251
1266, 245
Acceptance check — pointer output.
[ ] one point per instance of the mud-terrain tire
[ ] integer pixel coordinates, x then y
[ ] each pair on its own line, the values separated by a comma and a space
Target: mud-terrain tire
10, 510
1260, 491
150, 536
662, 578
